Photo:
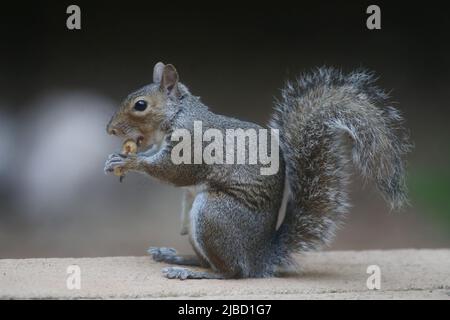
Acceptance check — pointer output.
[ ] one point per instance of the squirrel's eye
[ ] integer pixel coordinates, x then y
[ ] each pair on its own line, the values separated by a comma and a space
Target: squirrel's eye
140, 105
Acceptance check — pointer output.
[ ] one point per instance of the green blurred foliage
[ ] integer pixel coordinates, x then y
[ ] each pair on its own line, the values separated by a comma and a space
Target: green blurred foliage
430, 191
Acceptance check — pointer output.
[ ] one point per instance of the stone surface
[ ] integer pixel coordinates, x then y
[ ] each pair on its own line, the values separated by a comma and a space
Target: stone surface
405, 274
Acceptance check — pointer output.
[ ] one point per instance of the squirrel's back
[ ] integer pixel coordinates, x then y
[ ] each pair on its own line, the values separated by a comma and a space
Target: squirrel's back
259, 192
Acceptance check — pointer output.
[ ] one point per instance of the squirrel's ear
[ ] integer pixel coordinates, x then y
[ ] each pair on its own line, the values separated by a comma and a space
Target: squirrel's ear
157, 72
169, 80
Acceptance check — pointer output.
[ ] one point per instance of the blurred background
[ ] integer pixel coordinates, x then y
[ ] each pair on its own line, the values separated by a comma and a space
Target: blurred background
58, 89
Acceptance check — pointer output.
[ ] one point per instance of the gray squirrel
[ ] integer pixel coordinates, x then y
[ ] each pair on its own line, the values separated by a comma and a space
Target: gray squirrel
326, 119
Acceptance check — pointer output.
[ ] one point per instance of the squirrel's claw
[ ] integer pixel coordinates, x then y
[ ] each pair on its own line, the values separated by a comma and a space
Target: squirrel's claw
116, 160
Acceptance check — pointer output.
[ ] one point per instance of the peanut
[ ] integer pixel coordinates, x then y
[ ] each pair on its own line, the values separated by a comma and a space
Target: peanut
128, 147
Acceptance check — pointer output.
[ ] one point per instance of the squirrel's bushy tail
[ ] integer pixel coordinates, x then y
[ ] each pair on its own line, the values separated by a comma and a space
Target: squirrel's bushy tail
326, 120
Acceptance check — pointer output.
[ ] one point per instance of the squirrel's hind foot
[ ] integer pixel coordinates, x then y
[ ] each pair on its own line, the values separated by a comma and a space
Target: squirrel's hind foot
184, 273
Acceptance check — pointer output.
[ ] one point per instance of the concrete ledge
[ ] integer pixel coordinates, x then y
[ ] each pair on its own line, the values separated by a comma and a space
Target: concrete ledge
405, 274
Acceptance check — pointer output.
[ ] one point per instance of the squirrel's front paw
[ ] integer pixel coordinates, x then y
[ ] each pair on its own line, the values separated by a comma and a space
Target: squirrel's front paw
124, 162
161, 254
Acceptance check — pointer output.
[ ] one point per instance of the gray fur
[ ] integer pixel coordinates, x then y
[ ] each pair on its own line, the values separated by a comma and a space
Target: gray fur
329, 119
232, 221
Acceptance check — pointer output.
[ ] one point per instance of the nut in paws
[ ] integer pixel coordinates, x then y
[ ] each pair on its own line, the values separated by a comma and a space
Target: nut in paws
118, 162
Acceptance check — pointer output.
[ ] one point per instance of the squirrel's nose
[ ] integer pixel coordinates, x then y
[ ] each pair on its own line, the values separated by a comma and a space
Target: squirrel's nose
111, 130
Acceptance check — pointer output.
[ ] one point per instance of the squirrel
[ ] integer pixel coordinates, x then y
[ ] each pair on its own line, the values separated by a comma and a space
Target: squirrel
325, 119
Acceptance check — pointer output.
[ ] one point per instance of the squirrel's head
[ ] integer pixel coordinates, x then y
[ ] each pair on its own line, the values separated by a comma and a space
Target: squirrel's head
142, 112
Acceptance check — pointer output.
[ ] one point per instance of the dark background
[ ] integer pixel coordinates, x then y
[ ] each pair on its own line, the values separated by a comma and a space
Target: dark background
58, 89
